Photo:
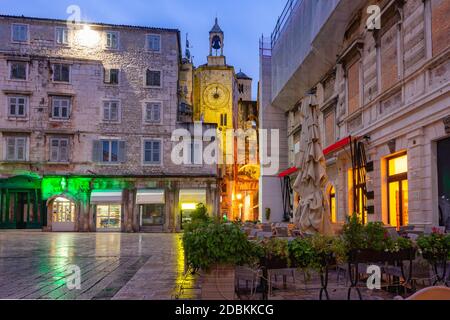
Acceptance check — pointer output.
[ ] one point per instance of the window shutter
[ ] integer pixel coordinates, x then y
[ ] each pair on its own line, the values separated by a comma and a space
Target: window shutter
122, 151
97, 151
10, 148
20, 148
54, 146
63, 150
107, 73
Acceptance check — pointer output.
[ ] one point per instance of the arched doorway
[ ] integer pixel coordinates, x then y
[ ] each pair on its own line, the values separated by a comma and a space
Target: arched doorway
63, 214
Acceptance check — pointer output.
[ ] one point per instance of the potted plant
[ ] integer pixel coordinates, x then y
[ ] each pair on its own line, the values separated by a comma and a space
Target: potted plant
435, 248
275, 253
215, 249
371, 243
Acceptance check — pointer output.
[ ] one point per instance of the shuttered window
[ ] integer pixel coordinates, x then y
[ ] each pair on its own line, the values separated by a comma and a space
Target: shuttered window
16, 148
153, 112
111, 111
59, 150
152, 152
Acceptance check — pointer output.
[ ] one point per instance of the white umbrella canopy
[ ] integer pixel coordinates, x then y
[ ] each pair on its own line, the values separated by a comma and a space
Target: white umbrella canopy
312, 213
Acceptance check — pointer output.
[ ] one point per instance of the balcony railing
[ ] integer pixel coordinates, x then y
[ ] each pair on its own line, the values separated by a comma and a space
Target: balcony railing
283, 19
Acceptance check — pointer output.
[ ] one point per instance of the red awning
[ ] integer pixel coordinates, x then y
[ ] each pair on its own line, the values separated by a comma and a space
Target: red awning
288, 172
338, 145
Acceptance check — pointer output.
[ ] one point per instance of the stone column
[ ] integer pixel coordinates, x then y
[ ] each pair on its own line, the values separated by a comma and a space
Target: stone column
419, 180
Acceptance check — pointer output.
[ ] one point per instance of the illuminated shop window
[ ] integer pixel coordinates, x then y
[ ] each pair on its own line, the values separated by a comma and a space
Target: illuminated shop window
398, 191
63, 210
333, 205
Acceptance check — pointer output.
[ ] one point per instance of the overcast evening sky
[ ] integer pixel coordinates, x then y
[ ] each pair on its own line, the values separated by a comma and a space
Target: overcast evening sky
243, 21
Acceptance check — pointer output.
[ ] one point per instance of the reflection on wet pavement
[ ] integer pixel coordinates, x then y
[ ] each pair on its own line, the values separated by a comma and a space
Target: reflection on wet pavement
33, 265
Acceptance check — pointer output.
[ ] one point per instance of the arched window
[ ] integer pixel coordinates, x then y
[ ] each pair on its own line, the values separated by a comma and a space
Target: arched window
332, 199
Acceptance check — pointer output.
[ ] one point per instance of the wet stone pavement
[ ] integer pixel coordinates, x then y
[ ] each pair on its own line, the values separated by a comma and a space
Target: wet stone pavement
35, 265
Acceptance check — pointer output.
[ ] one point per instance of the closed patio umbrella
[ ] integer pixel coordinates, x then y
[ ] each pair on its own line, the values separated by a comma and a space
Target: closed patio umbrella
312, 213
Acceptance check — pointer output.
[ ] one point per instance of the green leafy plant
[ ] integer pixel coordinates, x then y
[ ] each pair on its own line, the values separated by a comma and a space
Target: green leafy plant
353, 233
211, 243
435, 246
276, 248
373, 236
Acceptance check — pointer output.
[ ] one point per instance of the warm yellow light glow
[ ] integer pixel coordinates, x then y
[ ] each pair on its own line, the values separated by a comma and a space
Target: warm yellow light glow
88, 37
398, 165
188, 206
239, 196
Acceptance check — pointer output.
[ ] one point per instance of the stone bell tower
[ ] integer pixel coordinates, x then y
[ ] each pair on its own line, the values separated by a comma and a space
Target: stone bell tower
216, 38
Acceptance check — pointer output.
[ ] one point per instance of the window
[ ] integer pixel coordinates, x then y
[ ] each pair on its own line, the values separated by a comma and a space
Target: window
223, 120
153, 112
154, 42
19, 33
152, 214
330, 128
111, 111
152, 152
62, 35
108, 217
112, 40
153, 78
59, 150
357, 194
18, 70
109, 151
61, 72
333, 204
397, 168
63, 210
61, 107
353, 87
16, 148
111, 76
17, 106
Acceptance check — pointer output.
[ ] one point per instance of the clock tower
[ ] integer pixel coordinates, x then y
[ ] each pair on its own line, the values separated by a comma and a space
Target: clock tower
216, 101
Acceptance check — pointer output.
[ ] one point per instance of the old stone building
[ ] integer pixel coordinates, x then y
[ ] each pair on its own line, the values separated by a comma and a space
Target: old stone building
382, 85
86, 117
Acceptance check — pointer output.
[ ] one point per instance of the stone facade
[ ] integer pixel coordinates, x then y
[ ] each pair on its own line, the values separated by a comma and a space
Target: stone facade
127, 108
389, 90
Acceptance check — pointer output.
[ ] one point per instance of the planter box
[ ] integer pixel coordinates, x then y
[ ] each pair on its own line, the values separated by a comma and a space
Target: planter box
218, 283
372, 256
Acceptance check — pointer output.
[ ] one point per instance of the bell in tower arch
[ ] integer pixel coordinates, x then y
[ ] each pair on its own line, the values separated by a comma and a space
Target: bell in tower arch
216, 43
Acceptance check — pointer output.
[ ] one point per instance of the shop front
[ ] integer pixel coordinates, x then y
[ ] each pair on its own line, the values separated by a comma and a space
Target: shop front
63, 213
21, 203
152, 210
107, 206
189, 199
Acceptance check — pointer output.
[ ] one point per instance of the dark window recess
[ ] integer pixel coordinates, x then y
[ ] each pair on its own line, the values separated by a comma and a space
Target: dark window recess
19, 70
153, 78
111, 76
61, 72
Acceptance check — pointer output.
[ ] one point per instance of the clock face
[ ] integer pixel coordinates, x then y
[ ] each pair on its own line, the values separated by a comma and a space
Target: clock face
216, 96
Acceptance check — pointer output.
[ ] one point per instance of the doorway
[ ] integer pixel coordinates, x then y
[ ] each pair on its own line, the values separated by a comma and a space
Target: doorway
63, 215
443, 165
